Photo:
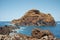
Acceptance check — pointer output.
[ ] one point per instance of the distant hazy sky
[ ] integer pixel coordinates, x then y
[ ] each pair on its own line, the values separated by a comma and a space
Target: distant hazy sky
14, 9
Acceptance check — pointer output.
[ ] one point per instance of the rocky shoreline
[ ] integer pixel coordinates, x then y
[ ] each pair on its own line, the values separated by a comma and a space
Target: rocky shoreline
31, 18
37, 34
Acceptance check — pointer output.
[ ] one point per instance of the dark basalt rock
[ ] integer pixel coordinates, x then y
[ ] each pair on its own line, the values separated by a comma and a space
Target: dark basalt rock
35, 18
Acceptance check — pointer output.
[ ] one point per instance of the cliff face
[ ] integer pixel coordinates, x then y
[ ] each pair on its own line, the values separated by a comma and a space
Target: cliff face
35, 18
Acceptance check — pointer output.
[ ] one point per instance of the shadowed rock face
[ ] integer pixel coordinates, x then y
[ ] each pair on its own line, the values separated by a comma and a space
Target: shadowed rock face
35, 18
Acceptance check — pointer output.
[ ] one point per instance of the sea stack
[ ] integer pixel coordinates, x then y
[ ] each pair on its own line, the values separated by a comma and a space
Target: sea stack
35, 18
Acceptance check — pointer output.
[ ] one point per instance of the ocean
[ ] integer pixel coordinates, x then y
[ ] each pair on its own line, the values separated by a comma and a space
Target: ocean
27, 29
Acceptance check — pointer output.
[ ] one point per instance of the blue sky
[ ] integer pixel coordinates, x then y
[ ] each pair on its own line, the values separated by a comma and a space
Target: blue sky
14, 9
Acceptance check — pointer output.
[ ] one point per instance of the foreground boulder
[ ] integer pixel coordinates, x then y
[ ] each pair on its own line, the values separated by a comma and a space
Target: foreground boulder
36, 34
42, 34
35, 18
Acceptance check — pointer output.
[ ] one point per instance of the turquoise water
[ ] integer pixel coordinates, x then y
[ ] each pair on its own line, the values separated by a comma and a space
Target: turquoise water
27, 29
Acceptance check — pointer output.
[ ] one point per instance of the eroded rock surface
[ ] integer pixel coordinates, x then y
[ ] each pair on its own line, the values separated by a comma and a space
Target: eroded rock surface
35, 18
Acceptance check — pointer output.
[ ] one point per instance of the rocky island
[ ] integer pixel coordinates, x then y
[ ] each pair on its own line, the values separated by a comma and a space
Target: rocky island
35, 18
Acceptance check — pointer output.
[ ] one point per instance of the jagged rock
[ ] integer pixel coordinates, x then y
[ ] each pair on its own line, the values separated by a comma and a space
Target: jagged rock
35, 18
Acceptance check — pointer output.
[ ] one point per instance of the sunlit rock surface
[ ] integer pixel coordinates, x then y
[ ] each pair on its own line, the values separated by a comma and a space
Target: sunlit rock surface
35, 18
